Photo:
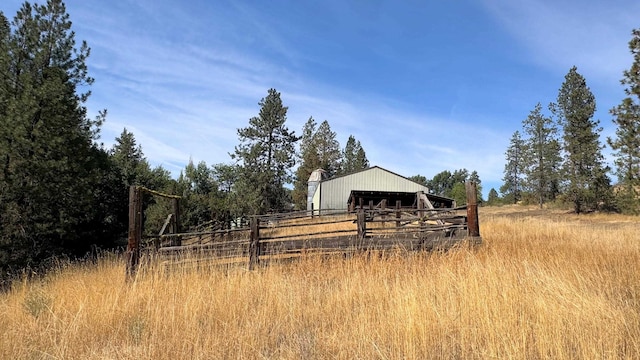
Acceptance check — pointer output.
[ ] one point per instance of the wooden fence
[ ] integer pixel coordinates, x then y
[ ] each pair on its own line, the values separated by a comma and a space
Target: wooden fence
376, 227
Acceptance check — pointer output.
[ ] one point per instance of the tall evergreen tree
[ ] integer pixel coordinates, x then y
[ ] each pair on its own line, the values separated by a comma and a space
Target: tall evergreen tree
514, 170
132, 167
588, 184
319, 149
494, 198
543, 158
354, 158
361, 157
309, 161
227, 206
128, 157
328, 149
266, 154
50, 163
627, 141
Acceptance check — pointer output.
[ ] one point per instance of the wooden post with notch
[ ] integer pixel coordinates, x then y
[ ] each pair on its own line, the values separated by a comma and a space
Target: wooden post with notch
473, 226
135, 231
254, 243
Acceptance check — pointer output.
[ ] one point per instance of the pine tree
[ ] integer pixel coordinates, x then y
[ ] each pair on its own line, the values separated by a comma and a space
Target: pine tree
128, 157
328, 149
266, 154
494, 198
588, 184
627, 140
309, 161
319, 149
514, 170
354, 158
227, 206
361, 158
542, 154
53, 175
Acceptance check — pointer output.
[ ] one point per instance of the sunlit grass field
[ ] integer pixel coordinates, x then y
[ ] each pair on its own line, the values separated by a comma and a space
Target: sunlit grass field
544, 285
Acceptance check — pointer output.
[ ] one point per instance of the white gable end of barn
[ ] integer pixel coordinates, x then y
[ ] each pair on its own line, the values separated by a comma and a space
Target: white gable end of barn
334, 193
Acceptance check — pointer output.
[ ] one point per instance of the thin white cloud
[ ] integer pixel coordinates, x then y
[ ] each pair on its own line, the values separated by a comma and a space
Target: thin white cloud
592, 35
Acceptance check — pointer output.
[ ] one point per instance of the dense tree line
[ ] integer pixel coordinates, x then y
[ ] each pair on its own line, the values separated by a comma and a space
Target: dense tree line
560, 158
451, 185
57, 186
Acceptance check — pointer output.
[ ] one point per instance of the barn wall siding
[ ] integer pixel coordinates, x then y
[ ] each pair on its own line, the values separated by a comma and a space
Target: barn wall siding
334, 193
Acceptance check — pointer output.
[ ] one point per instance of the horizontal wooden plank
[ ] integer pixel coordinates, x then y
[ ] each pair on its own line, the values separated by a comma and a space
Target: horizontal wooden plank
200, 233
202, 247
311, 234
309, 223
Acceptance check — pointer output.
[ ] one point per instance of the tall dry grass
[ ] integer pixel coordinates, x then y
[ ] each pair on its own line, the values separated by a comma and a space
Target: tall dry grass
543, 285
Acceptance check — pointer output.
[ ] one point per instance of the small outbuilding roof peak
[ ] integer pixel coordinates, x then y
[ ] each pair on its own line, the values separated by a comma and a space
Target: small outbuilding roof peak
318, 175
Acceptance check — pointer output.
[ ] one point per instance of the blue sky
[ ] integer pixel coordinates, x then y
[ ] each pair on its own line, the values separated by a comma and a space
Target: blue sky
425, 86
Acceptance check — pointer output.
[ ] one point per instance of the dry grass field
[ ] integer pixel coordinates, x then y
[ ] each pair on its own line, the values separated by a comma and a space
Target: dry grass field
544, 285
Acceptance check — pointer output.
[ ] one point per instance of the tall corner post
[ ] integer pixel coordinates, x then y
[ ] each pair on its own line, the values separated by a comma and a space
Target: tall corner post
135, 231
254, 243
473, 226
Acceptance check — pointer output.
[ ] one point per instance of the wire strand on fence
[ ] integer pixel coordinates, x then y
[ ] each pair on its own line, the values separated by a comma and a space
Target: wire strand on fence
158, 193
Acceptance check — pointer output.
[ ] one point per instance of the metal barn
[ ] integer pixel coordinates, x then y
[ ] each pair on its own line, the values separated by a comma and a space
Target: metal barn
337, 192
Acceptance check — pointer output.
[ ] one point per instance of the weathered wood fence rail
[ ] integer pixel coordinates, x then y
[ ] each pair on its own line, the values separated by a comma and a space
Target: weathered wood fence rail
375, 227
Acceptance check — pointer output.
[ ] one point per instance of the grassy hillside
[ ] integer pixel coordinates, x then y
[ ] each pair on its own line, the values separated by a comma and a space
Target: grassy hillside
543, 285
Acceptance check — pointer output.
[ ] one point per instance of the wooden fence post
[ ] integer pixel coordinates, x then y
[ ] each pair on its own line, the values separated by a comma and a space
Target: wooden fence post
135, 231
362, 225
175, 204
421, 216
254, 244
473, 226
398, 215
